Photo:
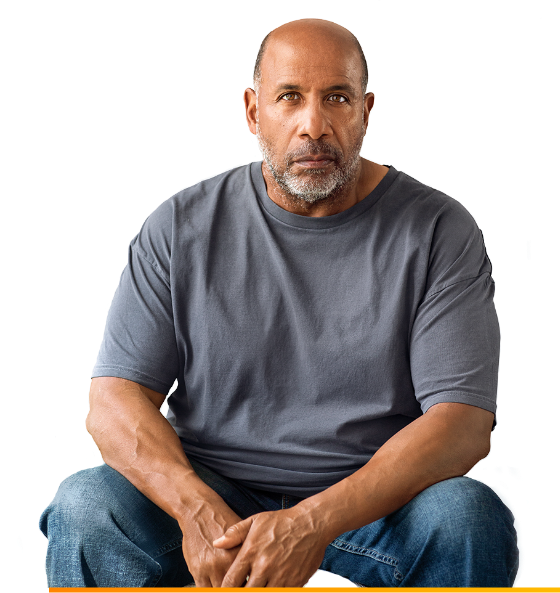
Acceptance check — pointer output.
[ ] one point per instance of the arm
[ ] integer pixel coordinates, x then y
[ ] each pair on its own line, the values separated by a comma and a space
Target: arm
445, 442
136, 440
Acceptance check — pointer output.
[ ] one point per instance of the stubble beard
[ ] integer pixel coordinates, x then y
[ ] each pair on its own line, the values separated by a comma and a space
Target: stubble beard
316, 184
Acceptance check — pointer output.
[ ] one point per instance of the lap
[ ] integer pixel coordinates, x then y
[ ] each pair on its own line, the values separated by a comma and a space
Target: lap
106, 521
88, 495
452, 522
90, 491
451, 528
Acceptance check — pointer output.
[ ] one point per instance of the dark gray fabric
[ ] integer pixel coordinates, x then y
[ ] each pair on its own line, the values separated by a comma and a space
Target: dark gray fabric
301, 344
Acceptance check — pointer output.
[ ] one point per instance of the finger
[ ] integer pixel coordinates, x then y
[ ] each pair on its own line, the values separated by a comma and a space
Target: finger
257, 580
235, 535
236, 576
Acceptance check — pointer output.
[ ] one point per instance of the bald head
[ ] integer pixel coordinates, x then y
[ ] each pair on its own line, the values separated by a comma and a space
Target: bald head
312, 32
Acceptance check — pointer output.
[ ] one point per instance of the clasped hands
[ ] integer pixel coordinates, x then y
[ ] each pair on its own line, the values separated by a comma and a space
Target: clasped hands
278, 549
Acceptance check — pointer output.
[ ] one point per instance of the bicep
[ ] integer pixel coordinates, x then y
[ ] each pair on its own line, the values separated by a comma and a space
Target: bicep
139, 343
471, 421
106, 391
454, 346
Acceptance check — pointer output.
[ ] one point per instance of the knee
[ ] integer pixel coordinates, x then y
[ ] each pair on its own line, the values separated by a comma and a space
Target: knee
464, 517
79, 502
475, 503
460, 532
464, 506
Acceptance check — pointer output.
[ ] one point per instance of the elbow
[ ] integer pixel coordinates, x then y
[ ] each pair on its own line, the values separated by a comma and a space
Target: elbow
87, 423
483, 449
94, 419
482, 438
92, 424
478, 449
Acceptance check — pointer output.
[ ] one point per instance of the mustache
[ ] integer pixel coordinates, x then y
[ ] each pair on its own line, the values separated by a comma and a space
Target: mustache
315, 147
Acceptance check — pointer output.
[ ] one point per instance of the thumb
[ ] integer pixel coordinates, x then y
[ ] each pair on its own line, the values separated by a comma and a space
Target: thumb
234, 535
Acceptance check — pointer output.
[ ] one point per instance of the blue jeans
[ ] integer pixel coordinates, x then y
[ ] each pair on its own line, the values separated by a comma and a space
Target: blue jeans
103, 532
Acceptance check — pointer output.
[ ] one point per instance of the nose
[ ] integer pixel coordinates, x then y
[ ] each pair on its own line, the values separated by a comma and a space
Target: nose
314, 122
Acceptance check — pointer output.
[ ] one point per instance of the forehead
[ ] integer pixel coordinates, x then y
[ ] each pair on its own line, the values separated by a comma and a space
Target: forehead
310, 61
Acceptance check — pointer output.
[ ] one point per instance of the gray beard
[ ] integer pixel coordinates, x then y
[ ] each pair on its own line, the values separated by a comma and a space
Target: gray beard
316, 185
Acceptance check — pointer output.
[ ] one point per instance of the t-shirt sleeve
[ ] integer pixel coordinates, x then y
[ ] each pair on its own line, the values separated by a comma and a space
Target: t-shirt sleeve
454, 346
139, 342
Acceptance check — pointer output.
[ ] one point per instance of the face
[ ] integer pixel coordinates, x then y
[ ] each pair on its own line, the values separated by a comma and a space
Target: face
310, 116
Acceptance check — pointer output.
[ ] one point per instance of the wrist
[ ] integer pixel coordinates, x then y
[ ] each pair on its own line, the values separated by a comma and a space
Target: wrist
320, 518
205, 511
196, 501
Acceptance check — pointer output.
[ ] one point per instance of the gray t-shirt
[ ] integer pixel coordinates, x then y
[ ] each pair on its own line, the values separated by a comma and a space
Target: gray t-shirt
300, 344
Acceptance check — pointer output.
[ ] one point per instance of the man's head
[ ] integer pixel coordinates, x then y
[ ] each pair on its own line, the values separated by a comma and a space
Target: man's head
308, 23
309, 109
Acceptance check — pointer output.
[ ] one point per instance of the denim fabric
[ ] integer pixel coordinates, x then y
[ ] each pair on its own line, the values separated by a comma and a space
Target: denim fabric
103, 532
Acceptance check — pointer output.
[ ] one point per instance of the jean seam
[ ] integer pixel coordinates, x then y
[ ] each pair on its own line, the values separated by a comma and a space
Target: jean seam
168, 547
368, 553
157, 577
361, 551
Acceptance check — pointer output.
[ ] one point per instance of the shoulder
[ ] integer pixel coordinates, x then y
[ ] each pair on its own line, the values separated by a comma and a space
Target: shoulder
231, 181
197, 200
188, 215
441, 228
427, 203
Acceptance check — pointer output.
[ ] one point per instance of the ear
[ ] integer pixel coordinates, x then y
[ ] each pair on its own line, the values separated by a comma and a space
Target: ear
368, 106
250, 98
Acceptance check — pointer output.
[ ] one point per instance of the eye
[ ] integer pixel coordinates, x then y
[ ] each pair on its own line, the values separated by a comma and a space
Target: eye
338, 99
289, 97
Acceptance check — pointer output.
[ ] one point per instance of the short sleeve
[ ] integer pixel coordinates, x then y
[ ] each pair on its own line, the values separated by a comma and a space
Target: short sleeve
454, 345
139, 342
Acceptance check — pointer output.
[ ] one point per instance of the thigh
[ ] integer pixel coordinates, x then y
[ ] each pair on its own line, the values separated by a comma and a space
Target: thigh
457, 533
104, 531
90, 496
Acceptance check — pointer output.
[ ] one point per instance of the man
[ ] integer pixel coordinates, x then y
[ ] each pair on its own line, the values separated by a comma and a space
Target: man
330, 324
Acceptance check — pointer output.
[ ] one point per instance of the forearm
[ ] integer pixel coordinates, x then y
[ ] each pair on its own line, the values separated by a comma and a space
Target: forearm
135, 439
445, 442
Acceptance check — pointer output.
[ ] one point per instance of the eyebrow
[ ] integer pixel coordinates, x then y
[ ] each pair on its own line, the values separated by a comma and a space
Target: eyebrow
335, 87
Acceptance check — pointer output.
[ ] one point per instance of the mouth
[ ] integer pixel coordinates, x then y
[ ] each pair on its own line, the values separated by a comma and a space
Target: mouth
314, 161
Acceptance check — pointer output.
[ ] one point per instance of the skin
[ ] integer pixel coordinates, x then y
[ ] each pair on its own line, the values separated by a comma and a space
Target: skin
137, 440
284, 548
311, 90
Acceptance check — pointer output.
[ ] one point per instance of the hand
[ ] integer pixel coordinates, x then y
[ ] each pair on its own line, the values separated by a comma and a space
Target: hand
208, 565
279, 549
